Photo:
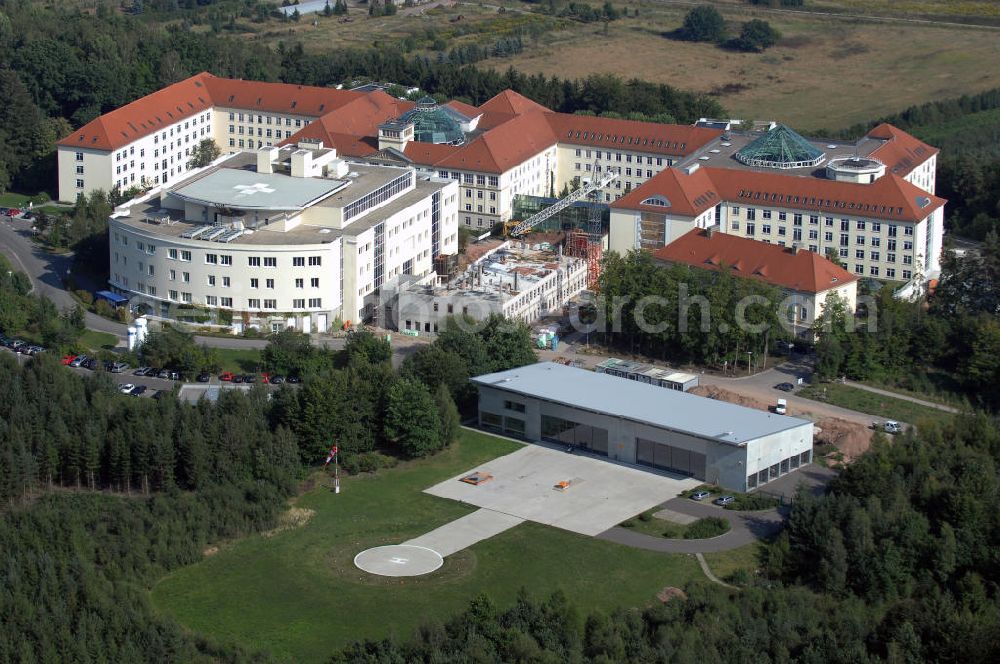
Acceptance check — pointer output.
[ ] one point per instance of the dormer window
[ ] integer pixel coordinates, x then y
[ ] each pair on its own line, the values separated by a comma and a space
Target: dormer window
659, 201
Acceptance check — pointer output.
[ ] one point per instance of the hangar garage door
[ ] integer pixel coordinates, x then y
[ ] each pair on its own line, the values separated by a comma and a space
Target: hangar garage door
670, 458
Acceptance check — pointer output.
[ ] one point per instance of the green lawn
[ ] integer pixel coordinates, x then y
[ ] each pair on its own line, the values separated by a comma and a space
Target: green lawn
874, 404
239, 360
663, 528
725, 563
10, 199
299, 596
98, 340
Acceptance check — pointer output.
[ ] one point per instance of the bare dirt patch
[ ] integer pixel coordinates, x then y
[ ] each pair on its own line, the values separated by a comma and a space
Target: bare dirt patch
722, 394
851, 439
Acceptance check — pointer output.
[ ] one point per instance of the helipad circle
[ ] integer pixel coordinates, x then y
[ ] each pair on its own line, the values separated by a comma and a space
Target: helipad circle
399, 560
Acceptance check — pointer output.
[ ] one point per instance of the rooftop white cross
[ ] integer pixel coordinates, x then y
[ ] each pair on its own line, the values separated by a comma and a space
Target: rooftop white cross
251, 189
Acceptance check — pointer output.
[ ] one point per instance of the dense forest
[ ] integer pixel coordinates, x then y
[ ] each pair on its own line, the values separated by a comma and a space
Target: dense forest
967, 130
897, 563
690, 315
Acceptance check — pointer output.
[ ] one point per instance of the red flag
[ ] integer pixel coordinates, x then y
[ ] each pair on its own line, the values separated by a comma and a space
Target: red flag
330, 455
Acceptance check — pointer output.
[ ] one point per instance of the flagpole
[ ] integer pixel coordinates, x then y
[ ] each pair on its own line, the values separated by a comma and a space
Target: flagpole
336, 473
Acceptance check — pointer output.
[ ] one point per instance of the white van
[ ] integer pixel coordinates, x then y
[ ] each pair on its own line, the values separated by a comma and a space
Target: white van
782, 407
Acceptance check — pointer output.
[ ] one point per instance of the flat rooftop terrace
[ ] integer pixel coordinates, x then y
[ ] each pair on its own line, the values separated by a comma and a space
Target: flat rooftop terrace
668, 409
720, 153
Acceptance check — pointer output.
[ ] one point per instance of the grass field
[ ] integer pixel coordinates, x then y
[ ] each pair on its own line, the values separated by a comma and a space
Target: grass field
95, 340
299, 596
745, 558
239, 360
648, 524
828, 72
873, 404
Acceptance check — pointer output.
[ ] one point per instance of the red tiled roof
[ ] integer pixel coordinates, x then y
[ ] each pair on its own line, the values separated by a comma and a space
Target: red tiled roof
277, 97
511, 103
144, 116
464, 109
686, 195
494, 151
889, 197
353, 128
666, 139
198, 93
901, 153
802, 271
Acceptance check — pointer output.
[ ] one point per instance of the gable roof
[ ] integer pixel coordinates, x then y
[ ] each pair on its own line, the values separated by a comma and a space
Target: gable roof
144, 116
890, 197
666, 139
685, 194
509, 102
495, 151
201, 92
901, 152
277, 97
353, 128
800, 270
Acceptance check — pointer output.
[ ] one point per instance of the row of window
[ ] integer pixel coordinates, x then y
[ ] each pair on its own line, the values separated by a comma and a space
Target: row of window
471, 178
618, 157
845, 224
261, 119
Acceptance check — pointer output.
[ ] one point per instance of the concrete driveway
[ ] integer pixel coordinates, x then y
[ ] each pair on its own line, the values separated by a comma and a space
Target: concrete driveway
599, 495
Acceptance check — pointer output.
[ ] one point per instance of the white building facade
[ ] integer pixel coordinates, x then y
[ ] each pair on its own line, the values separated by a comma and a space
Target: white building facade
291, 237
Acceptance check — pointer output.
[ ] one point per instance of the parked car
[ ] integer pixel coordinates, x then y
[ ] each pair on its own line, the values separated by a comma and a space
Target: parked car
265, 377
21, 347
68, 360
28, 215
204, 377
138, 390
141, 371
119, 367
784, 387
226, 376
236, 378
12, 212
35, 350
293, 379
126, 388
700, 495
277, 380
164, 374
889, 426
782, 407
249, 378
89, 363
724, 500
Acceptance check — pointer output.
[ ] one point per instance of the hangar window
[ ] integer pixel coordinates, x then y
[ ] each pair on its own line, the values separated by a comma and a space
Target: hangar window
514, 405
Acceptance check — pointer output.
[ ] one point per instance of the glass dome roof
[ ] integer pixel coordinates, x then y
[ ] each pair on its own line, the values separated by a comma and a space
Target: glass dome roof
433, 123
781, 147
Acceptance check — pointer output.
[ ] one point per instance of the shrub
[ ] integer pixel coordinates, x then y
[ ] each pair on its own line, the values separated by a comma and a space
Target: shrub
704, 23
752, 501
711, 526
84, 296
367, 462
755, 37
646, 516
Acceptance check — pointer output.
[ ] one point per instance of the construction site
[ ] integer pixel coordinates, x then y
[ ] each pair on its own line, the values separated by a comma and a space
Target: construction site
580, 215
521, 280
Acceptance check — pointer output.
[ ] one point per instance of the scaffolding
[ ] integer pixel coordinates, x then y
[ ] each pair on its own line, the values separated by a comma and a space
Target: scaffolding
582, 244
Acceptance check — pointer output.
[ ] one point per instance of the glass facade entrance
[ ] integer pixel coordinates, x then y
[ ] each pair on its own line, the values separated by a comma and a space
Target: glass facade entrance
670, 458
558, 430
